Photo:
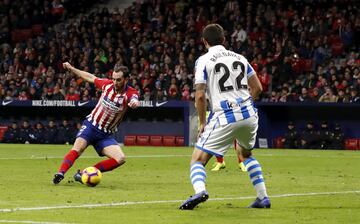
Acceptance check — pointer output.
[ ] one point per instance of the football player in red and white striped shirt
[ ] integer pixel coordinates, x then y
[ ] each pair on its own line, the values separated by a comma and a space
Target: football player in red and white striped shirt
102, 122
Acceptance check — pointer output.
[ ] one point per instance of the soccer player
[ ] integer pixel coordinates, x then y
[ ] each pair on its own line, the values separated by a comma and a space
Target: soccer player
231, 85
102, 122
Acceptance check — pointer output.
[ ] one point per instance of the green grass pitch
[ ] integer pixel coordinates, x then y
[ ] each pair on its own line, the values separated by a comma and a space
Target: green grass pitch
305, 186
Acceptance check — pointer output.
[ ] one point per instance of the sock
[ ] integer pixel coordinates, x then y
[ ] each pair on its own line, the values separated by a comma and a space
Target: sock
198, 177
68, 161
107, 165
254, 169
220, 159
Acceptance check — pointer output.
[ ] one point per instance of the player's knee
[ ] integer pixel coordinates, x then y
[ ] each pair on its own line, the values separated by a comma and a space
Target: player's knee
120, 159
78, 150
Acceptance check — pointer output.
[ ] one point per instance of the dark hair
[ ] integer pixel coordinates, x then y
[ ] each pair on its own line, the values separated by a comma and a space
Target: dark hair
213, 34
123, 69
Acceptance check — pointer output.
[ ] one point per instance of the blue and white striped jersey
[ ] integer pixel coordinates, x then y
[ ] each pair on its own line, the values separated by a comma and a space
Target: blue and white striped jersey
226, 73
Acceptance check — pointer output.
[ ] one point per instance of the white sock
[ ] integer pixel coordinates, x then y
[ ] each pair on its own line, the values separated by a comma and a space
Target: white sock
198, 177
254, 169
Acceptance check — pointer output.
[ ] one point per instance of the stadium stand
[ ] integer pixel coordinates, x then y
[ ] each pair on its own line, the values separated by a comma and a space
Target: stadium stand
299, 49
271, 34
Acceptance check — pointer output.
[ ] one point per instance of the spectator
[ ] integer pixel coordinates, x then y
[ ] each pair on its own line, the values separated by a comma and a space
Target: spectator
49, 95
337, 138
57, 94
304, 97
72, 95
50, 133
354, 96
26, 134
39, 133
309, 137
325, 136
284, 95
12, 134
342, 97
328, 96
291, 137
66, 133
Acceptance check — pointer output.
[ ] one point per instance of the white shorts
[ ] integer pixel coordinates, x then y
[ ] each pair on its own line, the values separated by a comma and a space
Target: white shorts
217, 139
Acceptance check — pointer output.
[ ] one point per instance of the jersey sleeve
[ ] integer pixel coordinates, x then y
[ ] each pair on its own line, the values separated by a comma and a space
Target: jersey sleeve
201, 73
132, 94
100, 83
249, 70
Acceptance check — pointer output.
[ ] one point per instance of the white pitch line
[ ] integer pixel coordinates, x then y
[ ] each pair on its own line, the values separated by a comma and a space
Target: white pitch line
166, 201
91, 157
30, 222
168, 156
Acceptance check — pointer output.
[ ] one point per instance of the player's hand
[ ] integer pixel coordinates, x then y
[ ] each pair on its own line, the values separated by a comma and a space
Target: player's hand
134, 104
67, 66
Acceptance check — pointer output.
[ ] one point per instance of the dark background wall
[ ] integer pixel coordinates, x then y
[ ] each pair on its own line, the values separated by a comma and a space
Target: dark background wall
172, 118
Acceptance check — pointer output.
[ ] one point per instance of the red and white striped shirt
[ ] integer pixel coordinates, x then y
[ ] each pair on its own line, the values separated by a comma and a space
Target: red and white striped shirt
111, 106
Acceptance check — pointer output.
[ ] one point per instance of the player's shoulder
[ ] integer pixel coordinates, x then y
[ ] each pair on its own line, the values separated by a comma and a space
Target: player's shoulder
131, 89
103, 80
203, 59
242, 57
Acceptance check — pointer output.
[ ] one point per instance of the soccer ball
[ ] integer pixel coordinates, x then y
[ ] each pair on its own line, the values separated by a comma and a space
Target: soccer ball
91, 176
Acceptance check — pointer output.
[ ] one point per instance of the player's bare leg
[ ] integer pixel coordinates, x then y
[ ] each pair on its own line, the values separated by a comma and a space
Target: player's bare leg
116, 158
198, 178
239, 156
255, 172
69, 159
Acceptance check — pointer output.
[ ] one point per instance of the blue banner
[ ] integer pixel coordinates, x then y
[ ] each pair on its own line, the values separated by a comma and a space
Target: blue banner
90, 103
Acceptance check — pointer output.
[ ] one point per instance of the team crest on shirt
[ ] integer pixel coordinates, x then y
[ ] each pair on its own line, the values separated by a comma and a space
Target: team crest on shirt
113, 105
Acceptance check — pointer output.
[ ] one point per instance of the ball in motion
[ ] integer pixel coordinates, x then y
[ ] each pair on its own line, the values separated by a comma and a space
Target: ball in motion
91, 176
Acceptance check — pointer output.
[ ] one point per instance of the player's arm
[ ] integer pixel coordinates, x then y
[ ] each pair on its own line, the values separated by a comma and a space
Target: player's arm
200, 103
133, 97
85, 75
255, 86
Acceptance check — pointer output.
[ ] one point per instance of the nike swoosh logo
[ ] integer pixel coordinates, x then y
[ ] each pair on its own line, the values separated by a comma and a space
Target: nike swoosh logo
160, 104
6, 103
82, 103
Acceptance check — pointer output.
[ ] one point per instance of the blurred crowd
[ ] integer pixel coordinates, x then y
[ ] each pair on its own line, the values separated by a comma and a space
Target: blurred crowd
324, 137
302, 50
37, 133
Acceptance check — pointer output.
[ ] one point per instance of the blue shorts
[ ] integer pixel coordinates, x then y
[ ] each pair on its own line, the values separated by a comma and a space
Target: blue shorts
96, 137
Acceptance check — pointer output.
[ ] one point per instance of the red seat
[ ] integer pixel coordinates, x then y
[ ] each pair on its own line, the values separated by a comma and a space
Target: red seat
277, 143
169, 140
16, 36
2, 131
179, 141
37, 29
351, 144
26, 34
142, 140
130, 140
156, 140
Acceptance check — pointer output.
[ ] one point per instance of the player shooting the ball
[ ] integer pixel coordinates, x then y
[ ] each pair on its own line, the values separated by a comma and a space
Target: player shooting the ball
102, 122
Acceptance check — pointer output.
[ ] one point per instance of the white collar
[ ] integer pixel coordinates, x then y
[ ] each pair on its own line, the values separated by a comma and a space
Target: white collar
216, 48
